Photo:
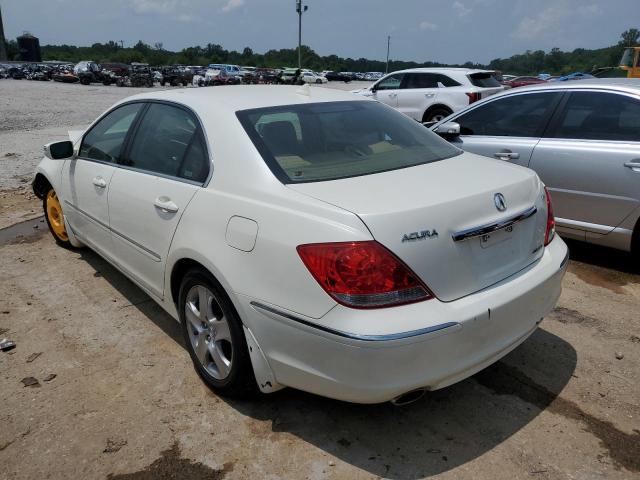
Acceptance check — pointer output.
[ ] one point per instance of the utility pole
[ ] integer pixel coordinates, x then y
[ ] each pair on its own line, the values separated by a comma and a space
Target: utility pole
3, 47
300, 9
386, 70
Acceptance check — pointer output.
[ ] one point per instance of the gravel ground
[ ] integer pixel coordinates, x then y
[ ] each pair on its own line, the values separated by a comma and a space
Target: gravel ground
125, 402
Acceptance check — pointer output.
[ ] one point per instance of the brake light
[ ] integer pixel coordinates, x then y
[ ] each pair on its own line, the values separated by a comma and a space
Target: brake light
362, 274
473, 97
551, 221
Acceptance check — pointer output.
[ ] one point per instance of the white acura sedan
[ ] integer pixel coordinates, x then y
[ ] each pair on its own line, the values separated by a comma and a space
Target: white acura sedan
308, 238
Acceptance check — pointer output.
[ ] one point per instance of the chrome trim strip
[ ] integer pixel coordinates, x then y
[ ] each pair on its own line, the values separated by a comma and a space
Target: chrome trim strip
492, 227
355, 336
151, 253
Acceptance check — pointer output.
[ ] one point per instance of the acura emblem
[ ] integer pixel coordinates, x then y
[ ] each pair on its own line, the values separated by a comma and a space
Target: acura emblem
500, 202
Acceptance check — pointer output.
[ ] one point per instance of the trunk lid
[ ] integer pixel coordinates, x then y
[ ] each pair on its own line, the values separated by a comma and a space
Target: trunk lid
449, 196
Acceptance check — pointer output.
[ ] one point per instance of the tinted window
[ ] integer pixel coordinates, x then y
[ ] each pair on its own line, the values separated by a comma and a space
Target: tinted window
599, 116
327, 141
447, 81
511, 116
485, 79
168, 141
104, 141
390, 83
420, 80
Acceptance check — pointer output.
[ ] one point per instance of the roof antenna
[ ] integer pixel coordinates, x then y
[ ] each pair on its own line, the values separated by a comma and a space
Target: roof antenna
304, 90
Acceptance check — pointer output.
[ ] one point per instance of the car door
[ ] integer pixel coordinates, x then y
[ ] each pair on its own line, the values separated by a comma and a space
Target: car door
508, 127
86, 178
164, 165
386, 90
590, 160
416, 93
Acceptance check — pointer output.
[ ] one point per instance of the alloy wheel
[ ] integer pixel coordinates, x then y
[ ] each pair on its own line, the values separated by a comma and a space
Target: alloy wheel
209, 333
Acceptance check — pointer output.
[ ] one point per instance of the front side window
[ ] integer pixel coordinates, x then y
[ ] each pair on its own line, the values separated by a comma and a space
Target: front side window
168, 141
522, 115
328, 141
105, 139
599, 116
392, 82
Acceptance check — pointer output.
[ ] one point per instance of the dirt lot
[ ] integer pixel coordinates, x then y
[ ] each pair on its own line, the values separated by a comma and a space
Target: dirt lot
125, 402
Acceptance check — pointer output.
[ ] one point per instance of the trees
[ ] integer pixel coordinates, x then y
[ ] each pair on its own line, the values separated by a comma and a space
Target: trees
555, 62
629, 38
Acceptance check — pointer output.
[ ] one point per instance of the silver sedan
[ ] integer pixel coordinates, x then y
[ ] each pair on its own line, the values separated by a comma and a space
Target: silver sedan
583, 140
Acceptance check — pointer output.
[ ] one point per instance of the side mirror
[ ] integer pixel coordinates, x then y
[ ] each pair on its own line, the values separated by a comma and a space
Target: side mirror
58, 150
448, 129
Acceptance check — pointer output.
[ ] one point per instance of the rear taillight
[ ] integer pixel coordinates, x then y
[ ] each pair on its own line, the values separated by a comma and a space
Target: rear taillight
362, 274
473, 97
551, 221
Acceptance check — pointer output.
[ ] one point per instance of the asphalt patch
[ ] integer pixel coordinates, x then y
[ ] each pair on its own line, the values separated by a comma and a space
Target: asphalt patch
171, 466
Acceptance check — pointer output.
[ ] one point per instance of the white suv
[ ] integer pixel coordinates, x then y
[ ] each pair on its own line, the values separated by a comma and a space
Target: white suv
431, 94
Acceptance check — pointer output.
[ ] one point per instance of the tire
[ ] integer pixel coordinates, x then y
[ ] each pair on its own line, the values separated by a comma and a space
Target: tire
436, 114
162, 83
55, 219
223, 362
85, 81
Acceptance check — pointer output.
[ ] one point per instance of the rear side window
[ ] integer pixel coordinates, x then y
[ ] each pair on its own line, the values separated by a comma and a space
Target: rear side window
484, 80
420, 80
327, 141
168, 141
105, 139
447, 81
522, 115
599, 116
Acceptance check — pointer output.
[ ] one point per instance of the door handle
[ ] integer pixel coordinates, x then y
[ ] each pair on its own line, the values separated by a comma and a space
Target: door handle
393, 95
165, 204
634, 166
507, 155
99, 182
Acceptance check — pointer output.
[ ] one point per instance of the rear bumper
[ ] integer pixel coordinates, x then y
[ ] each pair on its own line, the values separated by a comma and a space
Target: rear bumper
374, 356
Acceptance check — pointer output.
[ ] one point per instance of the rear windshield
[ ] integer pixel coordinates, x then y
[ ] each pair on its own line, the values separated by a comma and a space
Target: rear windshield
485, 79
327, 141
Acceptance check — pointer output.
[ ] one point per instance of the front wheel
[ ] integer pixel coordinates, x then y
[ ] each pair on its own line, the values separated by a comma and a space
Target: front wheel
214, 336
55, 218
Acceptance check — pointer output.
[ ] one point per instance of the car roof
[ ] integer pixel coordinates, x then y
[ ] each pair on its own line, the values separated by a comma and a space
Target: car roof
443, 69
233, 98
621, 84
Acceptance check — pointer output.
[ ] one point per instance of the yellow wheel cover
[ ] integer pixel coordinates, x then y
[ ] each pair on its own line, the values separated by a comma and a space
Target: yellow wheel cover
54, 215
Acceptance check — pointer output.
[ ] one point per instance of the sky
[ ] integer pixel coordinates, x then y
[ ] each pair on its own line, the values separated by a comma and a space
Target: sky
448, 31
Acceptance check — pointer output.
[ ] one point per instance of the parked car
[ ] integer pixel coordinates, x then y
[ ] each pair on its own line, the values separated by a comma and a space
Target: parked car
312, 77
89, 72
337, 77
140, 75
16, 72
253, 214
582, 138
174, 76
573, 76
522, 82
431, 94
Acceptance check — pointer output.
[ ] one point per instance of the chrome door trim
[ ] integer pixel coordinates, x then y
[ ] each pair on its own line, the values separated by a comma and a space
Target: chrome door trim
144, 249
356, 336
494, 226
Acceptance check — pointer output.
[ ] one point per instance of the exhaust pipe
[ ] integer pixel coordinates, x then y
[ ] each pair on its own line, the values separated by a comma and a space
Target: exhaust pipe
409, 397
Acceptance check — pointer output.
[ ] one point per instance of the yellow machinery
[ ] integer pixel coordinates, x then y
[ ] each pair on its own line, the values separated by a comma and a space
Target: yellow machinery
630, 62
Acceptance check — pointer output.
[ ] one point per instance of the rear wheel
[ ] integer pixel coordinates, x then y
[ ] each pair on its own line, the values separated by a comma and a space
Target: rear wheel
55, 218
436, 114
214, 335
